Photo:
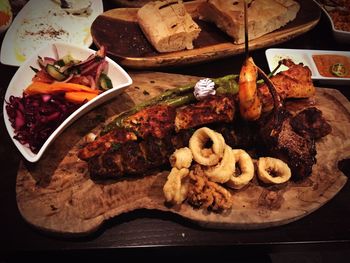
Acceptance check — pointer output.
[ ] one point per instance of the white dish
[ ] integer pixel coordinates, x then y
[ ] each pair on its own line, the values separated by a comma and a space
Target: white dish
339, 35
42, 22
23, 77
304, 56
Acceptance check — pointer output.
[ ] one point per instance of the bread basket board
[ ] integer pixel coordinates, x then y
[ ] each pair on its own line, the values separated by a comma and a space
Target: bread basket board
134, 3
118, 30
57, 195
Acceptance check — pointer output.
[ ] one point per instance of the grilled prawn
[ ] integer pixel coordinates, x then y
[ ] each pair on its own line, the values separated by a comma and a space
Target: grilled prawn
249, 102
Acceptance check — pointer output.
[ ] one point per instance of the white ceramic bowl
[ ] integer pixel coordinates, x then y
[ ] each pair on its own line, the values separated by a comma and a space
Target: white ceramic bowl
23, 77
340, 35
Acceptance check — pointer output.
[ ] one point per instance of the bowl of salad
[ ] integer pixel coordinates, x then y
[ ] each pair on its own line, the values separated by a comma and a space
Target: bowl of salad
55, 87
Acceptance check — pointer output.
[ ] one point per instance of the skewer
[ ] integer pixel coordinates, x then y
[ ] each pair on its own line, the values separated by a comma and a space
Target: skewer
246, 39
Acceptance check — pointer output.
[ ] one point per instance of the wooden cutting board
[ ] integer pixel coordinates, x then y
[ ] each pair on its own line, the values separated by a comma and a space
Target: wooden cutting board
57, 195
118, 30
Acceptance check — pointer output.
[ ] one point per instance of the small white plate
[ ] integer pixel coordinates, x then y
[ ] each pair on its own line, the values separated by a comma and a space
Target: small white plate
23, 77
274, 55
42, 22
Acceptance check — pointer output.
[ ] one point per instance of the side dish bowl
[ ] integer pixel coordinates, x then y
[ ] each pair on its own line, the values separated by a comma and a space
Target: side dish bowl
23, 77
340, 35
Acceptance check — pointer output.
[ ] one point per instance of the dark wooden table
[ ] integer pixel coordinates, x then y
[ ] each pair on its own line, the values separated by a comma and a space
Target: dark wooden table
167, 236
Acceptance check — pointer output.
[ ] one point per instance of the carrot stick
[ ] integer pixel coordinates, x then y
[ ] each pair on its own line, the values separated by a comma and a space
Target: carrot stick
79, 96
47, 88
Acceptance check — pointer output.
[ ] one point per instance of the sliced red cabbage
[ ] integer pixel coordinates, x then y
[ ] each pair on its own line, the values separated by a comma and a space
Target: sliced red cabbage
35, 117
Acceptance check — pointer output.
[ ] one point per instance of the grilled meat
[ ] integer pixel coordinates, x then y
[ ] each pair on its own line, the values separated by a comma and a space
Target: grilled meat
155, 121
136, 158
105, 142
211, 109
310, 122
281, 141
295, 146
161, 130
295, 82
159, 121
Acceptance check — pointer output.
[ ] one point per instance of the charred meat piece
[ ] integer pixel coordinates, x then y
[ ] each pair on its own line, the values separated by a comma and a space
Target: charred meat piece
155, 121
211, 109
281, 141
136, 157
310, 122
105, 142
278, 139
159, 121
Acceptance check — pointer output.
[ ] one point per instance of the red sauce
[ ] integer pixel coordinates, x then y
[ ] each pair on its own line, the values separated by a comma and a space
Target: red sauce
325, 62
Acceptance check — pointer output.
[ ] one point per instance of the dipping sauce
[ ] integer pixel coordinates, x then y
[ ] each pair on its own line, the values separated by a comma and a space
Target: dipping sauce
332, 65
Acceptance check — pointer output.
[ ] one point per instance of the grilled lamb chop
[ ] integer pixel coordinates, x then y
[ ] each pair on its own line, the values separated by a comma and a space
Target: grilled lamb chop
294, 144
281, 141
310, 122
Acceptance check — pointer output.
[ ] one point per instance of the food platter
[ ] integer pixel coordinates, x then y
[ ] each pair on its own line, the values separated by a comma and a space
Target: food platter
118, 30
57, 194
42, 22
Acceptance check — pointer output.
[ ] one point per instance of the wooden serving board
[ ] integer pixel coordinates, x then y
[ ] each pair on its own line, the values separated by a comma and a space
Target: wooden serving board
134, 3
118, 31
57, 195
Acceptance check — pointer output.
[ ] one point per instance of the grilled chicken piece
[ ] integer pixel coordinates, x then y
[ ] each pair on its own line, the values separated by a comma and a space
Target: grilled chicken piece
105, 142
136, 158
295, 82
211, 109
155, 121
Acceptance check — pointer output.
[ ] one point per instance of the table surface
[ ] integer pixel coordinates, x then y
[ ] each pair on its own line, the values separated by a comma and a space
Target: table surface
160, 232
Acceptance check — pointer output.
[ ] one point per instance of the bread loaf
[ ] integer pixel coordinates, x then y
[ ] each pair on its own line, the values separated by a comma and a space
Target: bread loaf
167, 25
264, 16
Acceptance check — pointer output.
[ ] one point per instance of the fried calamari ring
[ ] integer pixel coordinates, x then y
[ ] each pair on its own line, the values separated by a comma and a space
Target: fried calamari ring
272, 170
222, 172
246, 166
207, 156
174, 190
181, 158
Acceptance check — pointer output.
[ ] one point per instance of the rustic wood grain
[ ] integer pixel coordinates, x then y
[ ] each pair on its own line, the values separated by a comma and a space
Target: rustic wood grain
134, 3
57, 195
306, 19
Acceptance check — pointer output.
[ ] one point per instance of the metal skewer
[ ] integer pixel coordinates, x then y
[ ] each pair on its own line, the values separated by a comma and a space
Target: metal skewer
246, 39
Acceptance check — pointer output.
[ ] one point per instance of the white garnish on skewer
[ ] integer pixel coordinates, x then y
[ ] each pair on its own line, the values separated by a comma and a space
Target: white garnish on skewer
203, 88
